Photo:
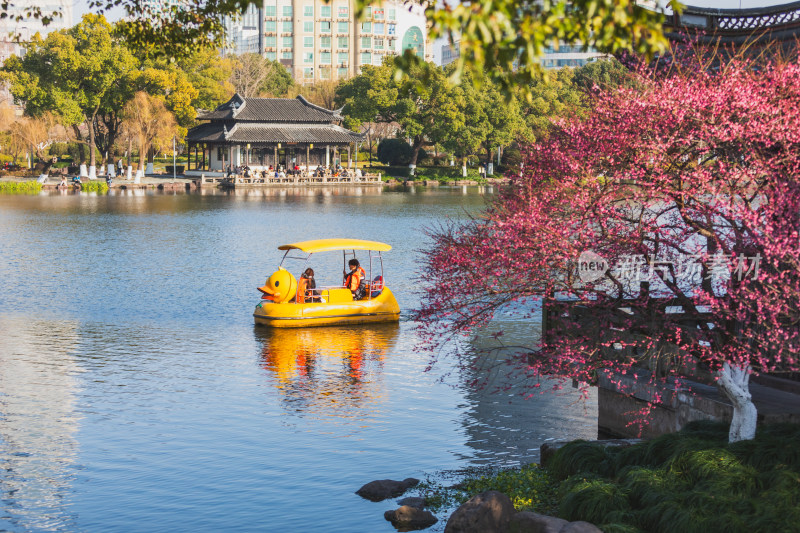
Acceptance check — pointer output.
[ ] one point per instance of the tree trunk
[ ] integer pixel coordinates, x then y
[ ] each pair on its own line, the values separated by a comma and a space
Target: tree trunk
92, 156
142, 154
81, 146
415, 151
734, 381
130, 149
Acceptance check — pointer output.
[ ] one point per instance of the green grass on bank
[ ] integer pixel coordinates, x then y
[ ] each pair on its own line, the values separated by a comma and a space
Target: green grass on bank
20, 187
688, 482
98, 186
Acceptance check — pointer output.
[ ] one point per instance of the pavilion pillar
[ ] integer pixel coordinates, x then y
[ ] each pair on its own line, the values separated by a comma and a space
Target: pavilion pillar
204, 157
275, 157
308, 158
349, 158
327, 155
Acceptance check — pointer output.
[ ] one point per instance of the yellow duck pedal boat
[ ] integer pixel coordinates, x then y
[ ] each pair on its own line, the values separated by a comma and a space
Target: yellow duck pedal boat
289, 304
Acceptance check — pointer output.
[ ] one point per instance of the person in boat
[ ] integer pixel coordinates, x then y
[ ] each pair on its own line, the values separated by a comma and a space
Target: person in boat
355, 280
306, 288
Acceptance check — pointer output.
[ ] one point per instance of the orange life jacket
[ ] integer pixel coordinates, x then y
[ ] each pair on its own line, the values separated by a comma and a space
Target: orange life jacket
353, 279
302, 284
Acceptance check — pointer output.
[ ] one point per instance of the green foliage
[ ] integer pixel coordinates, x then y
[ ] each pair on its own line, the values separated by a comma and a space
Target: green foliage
529, 488
692, 481
507, 39
687, 482
20, 187
99, 187
396, 152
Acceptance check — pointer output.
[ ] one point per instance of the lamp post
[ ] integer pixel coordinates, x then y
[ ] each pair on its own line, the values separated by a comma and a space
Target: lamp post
173, 159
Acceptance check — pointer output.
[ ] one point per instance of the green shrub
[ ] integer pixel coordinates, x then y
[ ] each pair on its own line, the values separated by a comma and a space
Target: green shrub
95, 186
691, 481
20, 187
395, 152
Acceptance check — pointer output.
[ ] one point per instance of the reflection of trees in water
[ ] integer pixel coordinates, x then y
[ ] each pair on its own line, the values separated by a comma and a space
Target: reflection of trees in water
37, 422
508, 420
328, 371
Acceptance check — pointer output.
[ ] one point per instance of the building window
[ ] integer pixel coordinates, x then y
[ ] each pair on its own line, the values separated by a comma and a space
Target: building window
287, 11
368, 12
308, 27
377, 13
308, 72
379, 44
342, 73
344, 42
287, 42
270, 11
325, 58
287, 54
272, 56
270, 41
392, 14
325, 27
270, 25
325, 73
366, 27
324, 42
342, 27
308, 42
308, 11
344, 57
308, 57
392, 29
366, 58
344, 11
379, 28
366, 42
287, 26
325, 11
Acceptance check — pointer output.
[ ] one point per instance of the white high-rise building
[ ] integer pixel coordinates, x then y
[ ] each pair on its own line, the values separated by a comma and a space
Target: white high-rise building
320, 41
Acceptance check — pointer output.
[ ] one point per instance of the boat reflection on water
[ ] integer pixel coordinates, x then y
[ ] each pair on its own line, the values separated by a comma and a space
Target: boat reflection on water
328, 371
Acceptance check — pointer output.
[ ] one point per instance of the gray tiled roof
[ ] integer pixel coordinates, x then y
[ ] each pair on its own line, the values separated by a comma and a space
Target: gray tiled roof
206, 133
273, 133
285, 110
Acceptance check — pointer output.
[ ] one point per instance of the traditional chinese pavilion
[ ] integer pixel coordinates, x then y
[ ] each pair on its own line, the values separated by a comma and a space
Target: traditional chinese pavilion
264, 132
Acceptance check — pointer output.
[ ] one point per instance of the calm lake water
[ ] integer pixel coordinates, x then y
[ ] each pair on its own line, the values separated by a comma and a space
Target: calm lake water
137, 395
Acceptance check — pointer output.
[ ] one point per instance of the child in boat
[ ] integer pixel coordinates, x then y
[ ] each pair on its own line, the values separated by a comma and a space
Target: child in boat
306, 288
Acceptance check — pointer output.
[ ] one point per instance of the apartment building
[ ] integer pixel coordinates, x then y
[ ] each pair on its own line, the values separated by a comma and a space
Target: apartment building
320, 41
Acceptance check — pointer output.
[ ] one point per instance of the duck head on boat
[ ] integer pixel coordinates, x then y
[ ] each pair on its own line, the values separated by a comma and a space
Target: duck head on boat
287, 303
280, 287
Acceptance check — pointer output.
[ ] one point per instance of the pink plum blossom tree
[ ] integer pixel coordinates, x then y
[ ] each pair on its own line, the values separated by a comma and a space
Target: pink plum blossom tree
669, 216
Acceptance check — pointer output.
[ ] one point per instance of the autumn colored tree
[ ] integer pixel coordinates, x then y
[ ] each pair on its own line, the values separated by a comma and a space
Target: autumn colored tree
148, 120
690, 182
37, 134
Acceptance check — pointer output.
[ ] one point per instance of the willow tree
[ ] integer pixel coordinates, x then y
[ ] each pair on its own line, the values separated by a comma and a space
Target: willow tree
148, 120
689, 181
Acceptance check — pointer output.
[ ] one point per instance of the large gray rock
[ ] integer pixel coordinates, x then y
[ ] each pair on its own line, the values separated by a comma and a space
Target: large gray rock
528, 522
413, 501
580, 527
489, 512
408, 518
382, 489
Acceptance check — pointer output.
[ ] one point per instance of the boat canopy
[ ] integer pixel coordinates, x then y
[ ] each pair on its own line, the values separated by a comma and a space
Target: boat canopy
327, 245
